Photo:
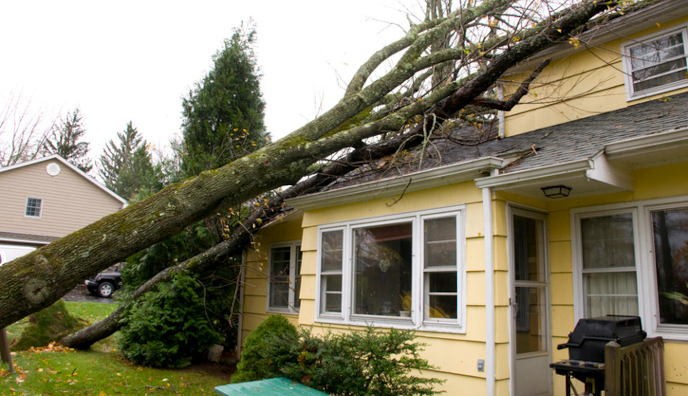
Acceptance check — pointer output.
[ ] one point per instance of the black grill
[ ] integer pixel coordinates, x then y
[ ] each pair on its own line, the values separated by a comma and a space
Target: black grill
586, 348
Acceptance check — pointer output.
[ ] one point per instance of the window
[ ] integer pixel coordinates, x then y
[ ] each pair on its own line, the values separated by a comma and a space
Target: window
670, 237
632, 259
609, 274
656, 64
33, 207
285, 277
404, 270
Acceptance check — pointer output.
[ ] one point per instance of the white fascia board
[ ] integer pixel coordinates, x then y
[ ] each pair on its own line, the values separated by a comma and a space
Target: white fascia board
647, 144
23, 241
537, 175
606, 172
445, 175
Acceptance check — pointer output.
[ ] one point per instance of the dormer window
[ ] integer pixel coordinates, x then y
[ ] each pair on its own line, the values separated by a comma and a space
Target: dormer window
33, 207
655, 64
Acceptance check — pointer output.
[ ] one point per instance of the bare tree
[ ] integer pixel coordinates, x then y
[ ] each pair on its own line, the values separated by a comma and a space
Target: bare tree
24, 130
370, 109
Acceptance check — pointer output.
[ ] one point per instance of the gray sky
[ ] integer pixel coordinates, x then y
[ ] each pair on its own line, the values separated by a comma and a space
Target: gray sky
135, 60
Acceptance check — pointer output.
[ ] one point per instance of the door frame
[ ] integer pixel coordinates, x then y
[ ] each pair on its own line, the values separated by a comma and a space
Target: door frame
512, 210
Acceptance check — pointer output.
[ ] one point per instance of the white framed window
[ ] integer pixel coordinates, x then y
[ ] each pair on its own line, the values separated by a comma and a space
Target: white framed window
33, 207
284, 277
404, 271
632, 259
656, 64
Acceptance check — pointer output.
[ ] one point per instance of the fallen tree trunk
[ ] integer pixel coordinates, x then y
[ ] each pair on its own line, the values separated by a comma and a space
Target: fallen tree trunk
40, 278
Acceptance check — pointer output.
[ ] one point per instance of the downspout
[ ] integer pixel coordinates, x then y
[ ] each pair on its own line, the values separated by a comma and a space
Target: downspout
500, 113
489, 293
242, 279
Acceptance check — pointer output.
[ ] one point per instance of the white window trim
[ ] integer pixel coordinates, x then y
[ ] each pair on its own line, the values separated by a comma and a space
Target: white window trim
627, 68
417, 320
40, 210
648, 299
295, 248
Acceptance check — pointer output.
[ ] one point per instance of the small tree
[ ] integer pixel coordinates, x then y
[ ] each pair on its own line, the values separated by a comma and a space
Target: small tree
223, 115
126, 166
64, 141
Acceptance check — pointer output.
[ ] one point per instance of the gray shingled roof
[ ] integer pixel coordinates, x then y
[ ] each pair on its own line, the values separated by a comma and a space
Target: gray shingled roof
558, 144
4, 235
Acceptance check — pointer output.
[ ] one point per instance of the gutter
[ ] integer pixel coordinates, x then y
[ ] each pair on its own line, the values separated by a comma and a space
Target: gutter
430, 178
490, 344
536, 175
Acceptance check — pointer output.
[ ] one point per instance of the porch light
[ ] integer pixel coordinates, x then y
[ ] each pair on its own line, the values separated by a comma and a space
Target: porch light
556, 191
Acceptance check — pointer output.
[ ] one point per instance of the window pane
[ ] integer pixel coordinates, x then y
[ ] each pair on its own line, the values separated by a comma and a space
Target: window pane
652, 63
33, 207
614, 293
608, 241
297, 281
331, 298
670, 231
442, 282
382, 269
279, 294
528, 249
440, 242
530, 327
332, 250
442, 307
279, 265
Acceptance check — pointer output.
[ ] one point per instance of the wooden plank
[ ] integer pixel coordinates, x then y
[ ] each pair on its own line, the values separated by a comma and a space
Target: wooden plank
636, 369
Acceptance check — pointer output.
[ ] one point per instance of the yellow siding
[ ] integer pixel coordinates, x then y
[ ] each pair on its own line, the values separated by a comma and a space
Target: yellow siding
649, 183
255, 286
584, 84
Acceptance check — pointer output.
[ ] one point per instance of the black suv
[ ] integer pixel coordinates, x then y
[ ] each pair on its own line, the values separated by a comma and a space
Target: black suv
105, 283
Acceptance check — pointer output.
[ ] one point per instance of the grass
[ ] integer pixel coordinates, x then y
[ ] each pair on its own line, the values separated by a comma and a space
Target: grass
100, 371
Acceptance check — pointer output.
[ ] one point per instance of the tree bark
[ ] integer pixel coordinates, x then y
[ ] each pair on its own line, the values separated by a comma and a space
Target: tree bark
40, 278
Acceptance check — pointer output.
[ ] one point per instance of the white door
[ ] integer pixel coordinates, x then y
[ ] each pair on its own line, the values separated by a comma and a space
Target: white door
530, 305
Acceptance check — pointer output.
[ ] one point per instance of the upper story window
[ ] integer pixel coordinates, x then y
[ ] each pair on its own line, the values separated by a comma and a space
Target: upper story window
284, 283
406, 271
656, 64
33, 207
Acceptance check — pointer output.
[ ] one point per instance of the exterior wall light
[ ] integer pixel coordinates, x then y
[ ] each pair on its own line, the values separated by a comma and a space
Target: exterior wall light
556, 191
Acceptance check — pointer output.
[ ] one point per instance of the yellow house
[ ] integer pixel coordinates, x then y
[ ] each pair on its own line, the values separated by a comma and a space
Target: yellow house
493, 253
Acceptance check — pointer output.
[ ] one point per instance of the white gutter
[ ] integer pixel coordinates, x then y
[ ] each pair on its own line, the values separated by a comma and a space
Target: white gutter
488, 237
536, 175
657, 142
430, 178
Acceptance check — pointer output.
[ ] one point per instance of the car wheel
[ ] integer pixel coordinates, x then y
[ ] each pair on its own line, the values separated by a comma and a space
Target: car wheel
106, 289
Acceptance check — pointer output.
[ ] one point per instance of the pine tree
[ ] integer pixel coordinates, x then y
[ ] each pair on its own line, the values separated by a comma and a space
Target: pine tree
223, 116
124, 166
64, 141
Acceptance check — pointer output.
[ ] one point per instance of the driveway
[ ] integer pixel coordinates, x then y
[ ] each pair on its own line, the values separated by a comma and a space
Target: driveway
81, 294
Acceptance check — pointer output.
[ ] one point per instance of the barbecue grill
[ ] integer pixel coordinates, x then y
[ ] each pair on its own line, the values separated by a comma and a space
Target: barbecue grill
586, 348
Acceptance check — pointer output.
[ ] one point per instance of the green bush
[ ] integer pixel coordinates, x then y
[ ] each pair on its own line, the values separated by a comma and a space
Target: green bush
46, 326
361, 363
364, 362
266, 349
168, 328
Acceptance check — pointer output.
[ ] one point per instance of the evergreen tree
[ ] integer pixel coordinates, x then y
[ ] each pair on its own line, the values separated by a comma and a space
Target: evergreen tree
223, 116
64, 141
126, 166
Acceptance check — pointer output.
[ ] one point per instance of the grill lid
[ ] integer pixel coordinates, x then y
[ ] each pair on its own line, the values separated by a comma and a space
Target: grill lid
588, 338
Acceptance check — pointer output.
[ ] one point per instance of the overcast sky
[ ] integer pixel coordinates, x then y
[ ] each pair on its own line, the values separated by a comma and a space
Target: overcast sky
135, 60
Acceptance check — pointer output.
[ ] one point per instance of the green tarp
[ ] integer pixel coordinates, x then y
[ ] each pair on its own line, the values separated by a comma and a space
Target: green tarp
272, 386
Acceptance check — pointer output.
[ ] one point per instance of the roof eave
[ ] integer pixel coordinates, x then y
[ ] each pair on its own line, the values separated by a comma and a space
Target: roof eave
422, 180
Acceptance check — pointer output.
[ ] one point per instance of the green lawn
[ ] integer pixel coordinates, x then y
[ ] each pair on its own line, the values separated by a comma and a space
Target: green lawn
99, 371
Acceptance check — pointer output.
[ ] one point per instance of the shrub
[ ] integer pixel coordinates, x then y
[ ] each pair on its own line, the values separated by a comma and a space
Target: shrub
266, 349
48, 325
168, 328
361, 363
357, 363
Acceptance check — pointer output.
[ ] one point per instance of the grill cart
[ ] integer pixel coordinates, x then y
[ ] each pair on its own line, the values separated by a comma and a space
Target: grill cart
586, 349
